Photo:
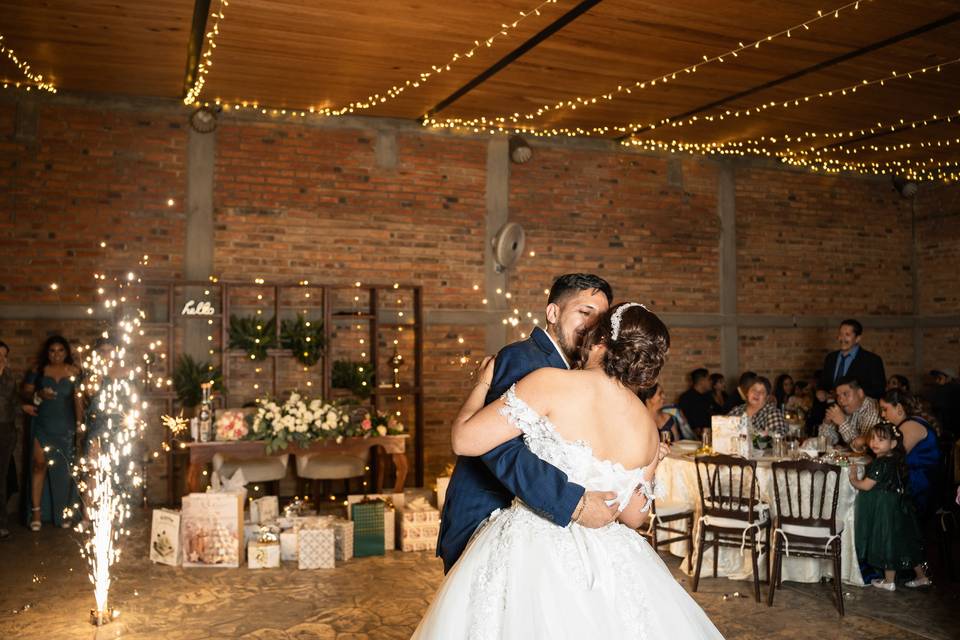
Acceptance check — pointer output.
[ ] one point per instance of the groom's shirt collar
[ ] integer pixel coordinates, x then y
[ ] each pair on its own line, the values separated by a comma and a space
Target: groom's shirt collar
557, 347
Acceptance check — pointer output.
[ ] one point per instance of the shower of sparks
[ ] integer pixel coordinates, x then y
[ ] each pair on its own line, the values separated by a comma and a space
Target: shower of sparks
107, 475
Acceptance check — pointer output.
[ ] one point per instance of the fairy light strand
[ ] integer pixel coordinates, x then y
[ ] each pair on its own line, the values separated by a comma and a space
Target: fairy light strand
628, 87
206, 60
396, 90
32, 79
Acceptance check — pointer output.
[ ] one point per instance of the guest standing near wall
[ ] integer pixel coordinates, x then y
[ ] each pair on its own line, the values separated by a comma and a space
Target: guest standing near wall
59, 409
853, 361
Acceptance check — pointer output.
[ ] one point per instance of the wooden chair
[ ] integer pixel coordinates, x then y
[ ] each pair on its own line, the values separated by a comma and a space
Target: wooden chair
663, 516
731, 511
806, 494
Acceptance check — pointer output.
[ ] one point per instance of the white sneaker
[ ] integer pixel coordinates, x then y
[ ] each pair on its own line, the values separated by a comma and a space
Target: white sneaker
883, 584
919, 582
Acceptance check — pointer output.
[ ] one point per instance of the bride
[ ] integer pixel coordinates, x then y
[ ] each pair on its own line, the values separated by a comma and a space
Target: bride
523, 577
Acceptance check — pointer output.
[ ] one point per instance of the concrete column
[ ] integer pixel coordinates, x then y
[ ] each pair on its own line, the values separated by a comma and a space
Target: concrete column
198, 252
727, 212
497, 197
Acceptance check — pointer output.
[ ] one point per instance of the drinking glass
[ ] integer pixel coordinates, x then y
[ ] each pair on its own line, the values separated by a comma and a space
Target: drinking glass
708, 439
666, 437
821, 444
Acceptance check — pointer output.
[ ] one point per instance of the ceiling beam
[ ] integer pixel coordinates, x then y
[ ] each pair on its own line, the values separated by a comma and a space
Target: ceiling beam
508, 59
856, 53
198, 30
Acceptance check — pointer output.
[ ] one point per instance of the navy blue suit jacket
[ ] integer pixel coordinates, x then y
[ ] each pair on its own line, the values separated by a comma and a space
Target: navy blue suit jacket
479, 486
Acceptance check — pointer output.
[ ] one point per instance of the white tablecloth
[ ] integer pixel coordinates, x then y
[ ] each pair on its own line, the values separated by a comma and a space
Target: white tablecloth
677, 476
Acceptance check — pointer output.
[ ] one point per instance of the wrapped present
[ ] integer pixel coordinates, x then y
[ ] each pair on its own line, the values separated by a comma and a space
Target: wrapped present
316, 548
250, 532
393, 503
368, 527
236, 483
265, 509
419, 526
211, 529
264, 552
165, 537
343, 538
288, 545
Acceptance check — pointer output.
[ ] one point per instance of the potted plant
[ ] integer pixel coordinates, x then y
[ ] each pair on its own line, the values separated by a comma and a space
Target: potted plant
188, 375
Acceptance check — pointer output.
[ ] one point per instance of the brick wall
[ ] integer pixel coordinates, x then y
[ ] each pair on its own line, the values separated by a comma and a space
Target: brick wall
296, 202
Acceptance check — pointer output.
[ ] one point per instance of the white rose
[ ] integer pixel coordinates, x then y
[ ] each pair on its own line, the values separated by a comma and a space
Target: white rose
332, 417
382, 430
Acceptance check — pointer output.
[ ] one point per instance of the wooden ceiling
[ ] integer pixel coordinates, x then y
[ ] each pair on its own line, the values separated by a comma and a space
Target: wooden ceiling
297, 54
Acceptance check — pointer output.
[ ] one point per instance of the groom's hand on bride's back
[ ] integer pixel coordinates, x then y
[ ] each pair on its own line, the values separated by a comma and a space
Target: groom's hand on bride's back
596, 512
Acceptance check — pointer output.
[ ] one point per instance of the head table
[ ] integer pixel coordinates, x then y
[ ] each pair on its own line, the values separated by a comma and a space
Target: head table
201, 454
677, 478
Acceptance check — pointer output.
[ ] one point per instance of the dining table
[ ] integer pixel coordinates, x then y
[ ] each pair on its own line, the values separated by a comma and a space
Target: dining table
677, 484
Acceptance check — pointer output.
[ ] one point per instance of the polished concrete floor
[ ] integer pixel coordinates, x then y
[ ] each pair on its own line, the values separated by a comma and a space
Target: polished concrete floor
46, 595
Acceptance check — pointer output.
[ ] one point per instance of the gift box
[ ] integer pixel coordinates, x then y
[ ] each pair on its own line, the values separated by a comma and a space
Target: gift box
263, 555
250, 532
419, 526
393, 503
343, 538
211, 529
288, 545
368, 528
165, 537
316, 548
265, 509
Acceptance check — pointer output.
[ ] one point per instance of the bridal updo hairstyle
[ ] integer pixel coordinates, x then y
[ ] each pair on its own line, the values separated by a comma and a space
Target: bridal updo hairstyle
638, 354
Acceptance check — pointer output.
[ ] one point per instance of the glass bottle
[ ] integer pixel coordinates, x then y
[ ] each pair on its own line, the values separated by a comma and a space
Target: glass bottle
206, 413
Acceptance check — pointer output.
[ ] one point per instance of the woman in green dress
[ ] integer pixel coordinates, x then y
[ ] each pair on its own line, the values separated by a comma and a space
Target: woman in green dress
53, 386
887, 534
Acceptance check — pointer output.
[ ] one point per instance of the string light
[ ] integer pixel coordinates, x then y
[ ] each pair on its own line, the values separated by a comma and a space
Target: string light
795, 102
32, 79
394, 91
628, 87
206, 60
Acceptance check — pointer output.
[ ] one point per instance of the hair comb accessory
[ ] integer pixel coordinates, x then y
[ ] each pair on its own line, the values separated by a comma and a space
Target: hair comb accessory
617, 318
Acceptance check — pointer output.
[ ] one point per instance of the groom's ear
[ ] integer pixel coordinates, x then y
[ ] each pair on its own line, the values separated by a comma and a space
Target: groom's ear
553, 313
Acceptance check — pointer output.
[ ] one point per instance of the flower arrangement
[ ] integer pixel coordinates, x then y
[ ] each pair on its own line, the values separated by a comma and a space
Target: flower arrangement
298, 420
232, 425
381, 424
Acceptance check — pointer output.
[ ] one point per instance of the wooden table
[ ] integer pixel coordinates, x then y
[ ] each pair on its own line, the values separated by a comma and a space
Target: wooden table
201, 454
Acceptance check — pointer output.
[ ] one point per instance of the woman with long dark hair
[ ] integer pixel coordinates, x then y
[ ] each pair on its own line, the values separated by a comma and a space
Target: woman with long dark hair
783, 389
921, 453
53, 386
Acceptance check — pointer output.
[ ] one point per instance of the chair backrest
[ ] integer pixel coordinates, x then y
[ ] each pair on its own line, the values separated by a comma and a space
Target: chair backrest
806, 493
728, 486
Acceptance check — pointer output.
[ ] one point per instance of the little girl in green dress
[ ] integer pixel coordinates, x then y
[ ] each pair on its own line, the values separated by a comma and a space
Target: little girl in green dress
887, 534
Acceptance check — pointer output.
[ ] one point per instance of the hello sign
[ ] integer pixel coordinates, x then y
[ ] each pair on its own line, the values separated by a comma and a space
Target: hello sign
194, 308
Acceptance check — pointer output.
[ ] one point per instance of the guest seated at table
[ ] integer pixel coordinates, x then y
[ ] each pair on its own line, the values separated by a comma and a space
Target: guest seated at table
783, 389
887, 533
762, 415
920, 443
802, 399
695, 401
897, 381
852, 417
666, 423
720, 402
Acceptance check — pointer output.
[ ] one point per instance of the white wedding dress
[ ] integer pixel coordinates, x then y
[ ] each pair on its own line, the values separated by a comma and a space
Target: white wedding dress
522, 577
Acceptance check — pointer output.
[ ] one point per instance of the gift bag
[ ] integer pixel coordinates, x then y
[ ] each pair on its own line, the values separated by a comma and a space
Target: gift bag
393, 505
315, 549
211, 529
419, 526
368, 528
165, 537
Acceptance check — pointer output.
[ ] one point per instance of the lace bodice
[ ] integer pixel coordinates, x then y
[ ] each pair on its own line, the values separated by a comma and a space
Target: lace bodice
575, 458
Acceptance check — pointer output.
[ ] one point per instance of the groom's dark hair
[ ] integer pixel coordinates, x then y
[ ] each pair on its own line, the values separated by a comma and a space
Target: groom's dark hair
574, 282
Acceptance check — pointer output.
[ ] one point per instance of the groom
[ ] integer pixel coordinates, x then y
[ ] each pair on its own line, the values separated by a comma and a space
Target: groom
480, 486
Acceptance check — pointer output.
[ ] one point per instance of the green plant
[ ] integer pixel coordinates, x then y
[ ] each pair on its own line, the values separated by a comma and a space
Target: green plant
188, 375
304, 338
253, 335
355, 376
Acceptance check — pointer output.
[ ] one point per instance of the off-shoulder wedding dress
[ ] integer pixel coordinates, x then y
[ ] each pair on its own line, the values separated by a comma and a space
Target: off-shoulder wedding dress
522, 577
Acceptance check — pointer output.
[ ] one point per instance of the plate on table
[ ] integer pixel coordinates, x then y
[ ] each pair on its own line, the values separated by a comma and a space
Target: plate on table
684, 446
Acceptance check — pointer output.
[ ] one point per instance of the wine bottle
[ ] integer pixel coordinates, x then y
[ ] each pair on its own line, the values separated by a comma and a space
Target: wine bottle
206, 413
